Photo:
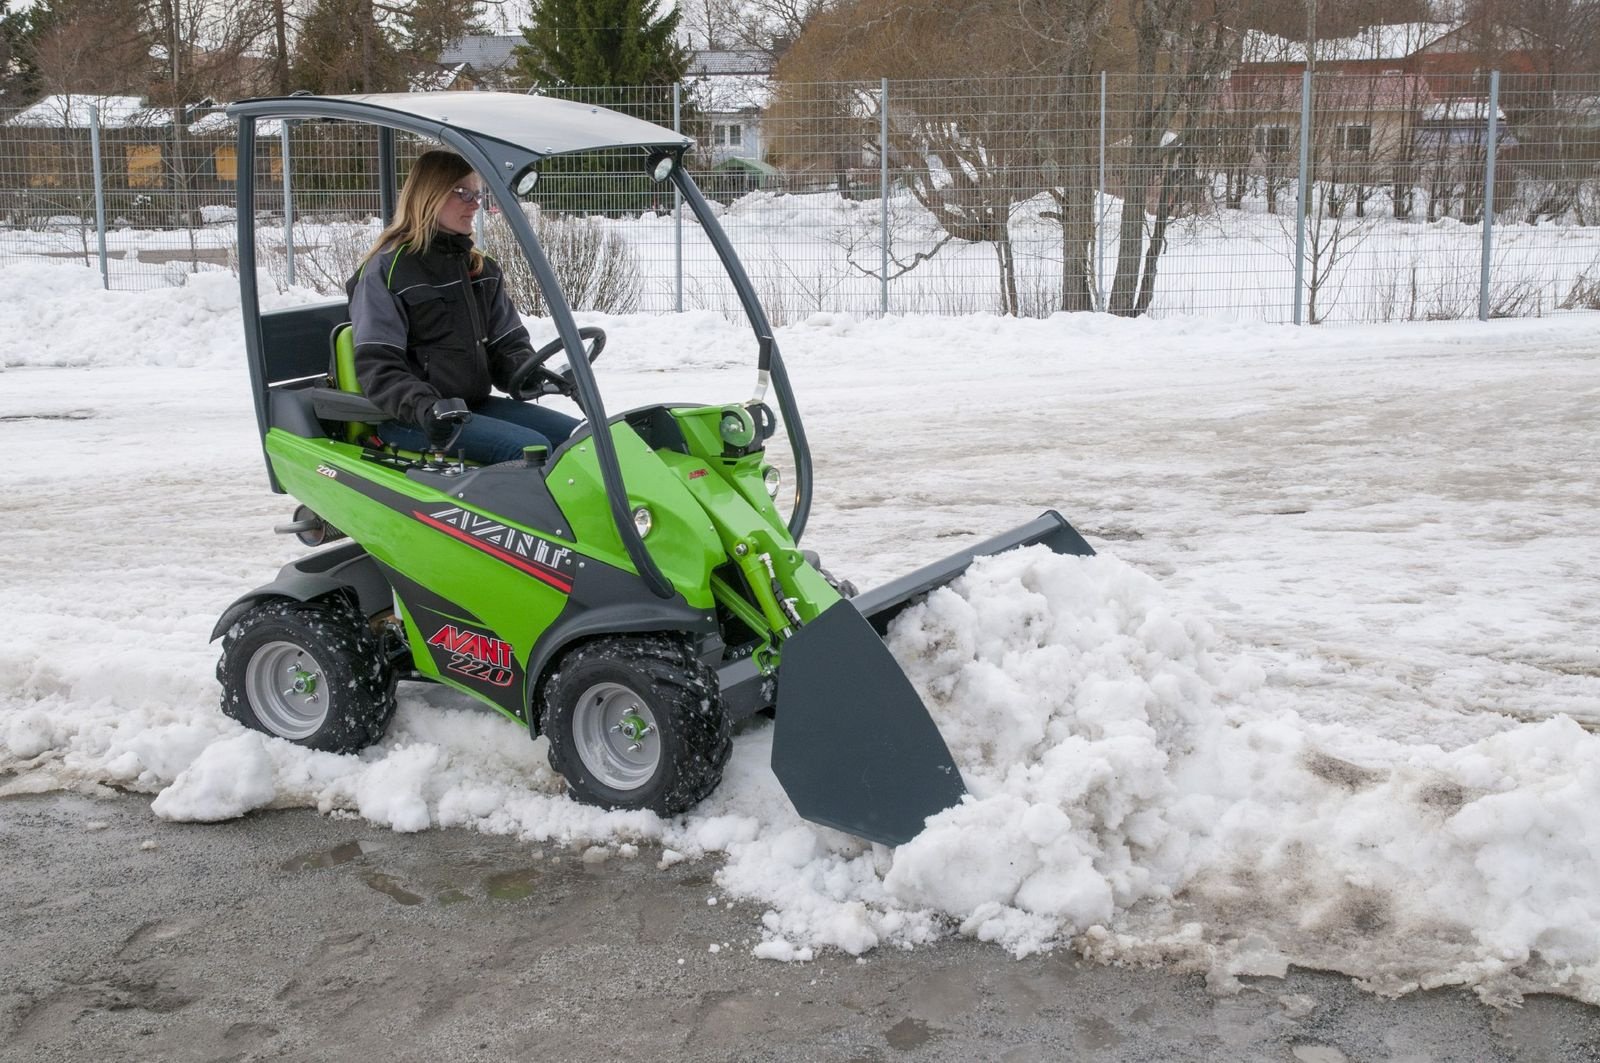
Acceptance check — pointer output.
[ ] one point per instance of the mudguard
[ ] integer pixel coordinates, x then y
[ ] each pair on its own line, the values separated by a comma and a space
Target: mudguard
345, 568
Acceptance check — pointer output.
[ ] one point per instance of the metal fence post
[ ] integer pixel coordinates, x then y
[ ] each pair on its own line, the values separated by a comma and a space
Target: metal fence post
1301, 197
99, 194
1100, 212
677, 204
883, 193
288, 203
1488, 194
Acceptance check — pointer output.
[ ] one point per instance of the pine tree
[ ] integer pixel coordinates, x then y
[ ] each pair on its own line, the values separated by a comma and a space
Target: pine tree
343, 48
19, 78
602, 42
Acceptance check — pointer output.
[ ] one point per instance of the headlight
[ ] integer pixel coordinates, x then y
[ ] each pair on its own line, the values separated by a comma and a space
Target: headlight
659, 165
642, 521
737, 427
772, 478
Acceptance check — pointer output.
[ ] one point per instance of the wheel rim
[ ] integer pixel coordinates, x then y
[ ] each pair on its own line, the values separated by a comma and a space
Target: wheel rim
287, 689
616, 736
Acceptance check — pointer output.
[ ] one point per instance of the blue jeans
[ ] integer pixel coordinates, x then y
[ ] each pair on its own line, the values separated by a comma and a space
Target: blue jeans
498, 431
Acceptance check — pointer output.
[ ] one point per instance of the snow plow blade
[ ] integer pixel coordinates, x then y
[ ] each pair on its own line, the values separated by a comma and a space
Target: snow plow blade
882, 604
853, 745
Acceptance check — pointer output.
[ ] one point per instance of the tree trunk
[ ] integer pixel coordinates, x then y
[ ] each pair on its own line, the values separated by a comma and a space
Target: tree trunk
1004, 252
1158, 241
280, 30
1076, 217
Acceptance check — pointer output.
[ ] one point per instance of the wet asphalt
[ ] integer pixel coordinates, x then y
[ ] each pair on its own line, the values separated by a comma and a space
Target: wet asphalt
292, 936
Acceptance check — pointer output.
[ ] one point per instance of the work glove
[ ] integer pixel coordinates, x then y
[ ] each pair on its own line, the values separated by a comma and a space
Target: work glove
443, 421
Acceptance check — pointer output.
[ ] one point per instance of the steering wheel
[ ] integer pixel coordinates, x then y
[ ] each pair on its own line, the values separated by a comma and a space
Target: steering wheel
547, 381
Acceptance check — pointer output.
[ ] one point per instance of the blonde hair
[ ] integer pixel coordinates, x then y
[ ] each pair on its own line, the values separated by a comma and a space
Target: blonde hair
433, 176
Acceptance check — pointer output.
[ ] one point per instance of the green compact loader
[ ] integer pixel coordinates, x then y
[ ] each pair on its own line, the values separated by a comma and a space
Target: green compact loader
629, 596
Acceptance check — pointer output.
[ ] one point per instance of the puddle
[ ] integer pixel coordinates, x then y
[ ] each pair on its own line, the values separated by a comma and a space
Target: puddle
451, 896
69, 415
513, 885
340, 854
908, 1034
1097, 1032
386, 885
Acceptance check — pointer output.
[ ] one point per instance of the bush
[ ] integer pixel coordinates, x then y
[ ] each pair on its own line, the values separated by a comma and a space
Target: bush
596, 268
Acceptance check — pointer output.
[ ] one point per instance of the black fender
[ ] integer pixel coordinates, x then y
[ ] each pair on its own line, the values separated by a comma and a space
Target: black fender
609, 601
344, 569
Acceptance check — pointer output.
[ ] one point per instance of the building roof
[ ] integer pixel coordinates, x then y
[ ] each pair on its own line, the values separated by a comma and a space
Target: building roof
731, 93
715, 61
482, 51
71, 111
1373, 43
755, 166
445, 76
217, 123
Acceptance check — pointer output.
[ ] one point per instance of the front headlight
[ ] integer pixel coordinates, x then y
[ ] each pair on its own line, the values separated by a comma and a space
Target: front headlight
772, 478
737, 427
642, 521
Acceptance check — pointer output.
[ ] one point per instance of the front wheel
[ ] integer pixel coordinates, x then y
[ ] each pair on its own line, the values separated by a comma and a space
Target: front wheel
313, 673
636, 723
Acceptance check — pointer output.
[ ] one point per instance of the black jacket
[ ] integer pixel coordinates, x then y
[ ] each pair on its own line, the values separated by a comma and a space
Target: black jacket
420, 338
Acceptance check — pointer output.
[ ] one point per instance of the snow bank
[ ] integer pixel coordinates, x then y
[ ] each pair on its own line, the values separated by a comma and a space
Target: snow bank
43, 320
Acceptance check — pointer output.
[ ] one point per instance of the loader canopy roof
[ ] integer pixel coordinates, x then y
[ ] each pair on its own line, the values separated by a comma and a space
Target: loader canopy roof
538, 125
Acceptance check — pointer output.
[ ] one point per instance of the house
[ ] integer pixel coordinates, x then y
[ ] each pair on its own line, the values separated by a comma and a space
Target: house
1377, 95
487, 56
1356, 117
731, 90
52, 138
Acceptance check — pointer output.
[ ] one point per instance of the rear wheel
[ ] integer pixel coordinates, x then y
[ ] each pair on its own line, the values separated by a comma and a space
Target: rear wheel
636, 723
313, 673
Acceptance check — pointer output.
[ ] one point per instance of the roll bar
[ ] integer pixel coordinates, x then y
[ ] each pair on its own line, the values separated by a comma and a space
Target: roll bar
494, 161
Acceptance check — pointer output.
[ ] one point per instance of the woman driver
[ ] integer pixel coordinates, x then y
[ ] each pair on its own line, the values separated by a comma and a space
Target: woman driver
434, 326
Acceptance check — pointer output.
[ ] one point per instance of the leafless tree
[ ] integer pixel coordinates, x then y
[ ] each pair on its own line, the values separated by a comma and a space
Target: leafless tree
966, 144
1180, 49
768, 26
92, 47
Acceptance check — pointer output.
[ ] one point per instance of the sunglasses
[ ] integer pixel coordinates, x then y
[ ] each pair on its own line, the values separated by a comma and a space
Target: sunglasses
468, 195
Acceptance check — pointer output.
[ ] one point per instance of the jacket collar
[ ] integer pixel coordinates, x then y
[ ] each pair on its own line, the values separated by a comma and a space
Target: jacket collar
451, 243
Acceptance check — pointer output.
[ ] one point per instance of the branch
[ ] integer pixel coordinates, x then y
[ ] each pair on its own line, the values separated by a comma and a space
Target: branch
916, 260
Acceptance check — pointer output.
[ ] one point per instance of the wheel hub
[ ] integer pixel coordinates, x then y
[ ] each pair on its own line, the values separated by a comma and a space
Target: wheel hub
634, 728
301, 682
284, 684
616, 737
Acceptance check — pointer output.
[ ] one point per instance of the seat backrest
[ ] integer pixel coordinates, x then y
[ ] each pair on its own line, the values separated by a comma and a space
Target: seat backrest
291, 340
342, 358
342, 375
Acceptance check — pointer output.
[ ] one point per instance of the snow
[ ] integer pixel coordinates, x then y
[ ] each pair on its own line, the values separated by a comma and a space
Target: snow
818, 252
1322, 699
1397, 41
74, 111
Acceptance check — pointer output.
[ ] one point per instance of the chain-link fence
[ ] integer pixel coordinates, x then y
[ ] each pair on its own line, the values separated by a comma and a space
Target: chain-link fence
1426, 196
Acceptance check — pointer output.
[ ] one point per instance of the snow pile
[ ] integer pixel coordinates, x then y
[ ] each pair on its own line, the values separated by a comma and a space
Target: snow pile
42, 319
1066, 690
